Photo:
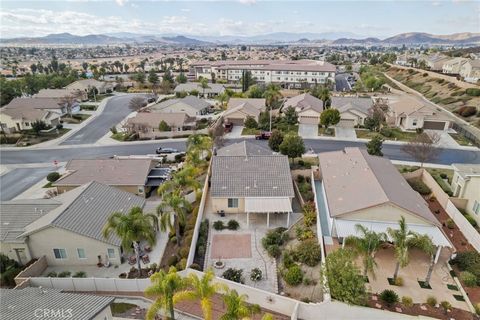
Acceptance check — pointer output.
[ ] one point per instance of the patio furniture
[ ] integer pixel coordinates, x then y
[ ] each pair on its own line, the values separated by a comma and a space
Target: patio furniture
147, 248
145, 259
221, 213
132, 260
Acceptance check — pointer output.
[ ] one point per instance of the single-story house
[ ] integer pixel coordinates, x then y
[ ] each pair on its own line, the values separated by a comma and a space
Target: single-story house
62, 94
357, 188
19, 114
239, 109
213, 90
466, 185
409, 113
470, 71
307, 107
435, 62
86, 85
353, 110
67, 229
131, 175
453, 66
45, 303
191, 105
247, 178
147, 123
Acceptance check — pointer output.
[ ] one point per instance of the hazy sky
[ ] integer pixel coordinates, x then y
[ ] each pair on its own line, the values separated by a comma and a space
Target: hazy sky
241, 17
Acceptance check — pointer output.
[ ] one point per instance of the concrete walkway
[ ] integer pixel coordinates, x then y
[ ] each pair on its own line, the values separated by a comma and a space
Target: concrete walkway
308, 131
445, 141
345, 133
235, 133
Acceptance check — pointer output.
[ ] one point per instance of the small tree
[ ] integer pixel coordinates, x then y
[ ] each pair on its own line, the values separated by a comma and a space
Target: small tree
163, 126
181, 78
422, 148
291, 116
38, 125
276, 139
140, 77
374, 146
204, 85
343, 277
153, 78
69, 102
250, 123
292, 146
53, 176
330, 117
137, 103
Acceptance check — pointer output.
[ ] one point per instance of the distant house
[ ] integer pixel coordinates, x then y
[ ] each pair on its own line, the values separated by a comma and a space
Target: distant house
61, 94
191, 105
357, 188
32, 302
409, 114
147, 123
435, 62
247, 178
69, 231
353, 110
466, 185
239, 109
86, 85
454, 65
470, 71
307, 107
19, 114
132, 175
213, 90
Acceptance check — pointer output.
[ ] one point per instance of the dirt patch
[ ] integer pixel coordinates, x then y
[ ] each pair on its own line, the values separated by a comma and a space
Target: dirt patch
231, 246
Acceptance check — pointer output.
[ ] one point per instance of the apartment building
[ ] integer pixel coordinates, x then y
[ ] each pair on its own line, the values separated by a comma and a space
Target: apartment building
286, 73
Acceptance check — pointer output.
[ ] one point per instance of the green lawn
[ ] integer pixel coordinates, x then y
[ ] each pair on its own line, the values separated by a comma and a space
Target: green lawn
250, 131
397, 135
461, 140
88, 107
30, 138
286, 129
48, 185
328, 133
76, 118
121, 307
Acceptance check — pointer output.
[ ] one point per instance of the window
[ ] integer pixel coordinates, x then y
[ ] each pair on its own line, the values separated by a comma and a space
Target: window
27, 124
476, 207
111, 253
81, 253
233, 203
60, 253
414, 122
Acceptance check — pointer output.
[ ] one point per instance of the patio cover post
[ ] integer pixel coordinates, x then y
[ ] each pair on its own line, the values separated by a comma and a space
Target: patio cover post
268, 219
248, 219
437, 255
288, 219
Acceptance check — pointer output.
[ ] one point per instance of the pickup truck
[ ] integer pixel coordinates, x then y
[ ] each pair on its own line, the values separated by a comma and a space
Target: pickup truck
264, 135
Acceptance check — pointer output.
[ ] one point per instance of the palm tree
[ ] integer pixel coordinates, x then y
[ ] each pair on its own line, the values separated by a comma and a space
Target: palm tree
198, 144
223, 99
324, 96
404, 239
131, 228
237, 307
366, 245
173, 204
201, 289
272, 95
182, 179
204, 85
164, 288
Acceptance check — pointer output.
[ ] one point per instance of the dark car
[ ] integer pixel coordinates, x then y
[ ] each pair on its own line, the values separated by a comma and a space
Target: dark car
161, 150
264, 135
227, 127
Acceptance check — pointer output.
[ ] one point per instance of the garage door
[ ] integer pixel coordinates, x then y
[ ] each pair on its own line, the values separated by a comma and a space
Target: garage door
434, 125
346, 123
309, 120
235, 121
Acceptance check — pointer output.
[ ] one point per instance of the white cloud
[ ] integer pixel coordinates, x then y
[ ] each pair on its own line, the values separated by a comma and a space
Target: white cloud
121, 3
185, 10
247, 1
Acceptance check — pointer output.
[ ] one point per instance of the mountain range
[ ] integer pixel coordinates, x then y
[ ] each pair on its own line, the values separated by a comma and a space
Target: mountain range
331, 38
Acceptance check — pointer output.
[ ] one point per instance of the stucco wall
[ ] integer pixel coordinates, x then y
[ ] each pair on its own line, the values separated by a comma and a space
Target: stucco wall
222, 204
8, 249
44, 241
105, 314
387, 212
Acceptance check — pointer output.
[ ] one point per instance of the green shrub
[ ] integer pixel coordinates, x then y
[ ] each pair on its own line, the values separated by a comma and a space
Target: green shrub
468, 278
450, 224
232, 274
477, 308
446, 306
256, 274
300, 179
195, 266
218, 225
287, 260
445, 187
274, 251
182, 264
172, 260
474, 92
293, 276
388, 296
64, 274
233, 225
432, 301
443, 175
80, 274
399, 282
173, 239
471, 219
274, 237
419, 186
53, 176
466, 260
303, 233
466, 111
308, 252
407, 301
183, 252
386, 132
52, 274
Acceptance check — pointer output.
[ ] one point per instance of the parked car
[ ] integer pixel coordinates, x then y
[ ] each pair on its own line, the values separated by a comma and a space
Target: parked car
264, 135
161, 150
227, 127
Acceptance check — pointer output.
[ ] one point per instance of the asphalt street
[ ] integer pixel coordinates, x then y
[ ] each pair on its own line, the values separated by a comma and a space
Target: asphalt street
341, 83
391, 151
17, 181
115, 111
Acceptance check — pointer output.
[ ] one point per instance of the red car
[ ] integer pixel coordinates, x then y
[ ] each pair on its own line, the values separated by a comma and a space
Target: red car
264, 135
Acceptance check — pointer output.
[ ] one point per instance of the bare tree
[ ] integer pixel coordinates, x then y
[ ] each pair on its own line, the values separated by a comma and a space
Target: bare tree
423, 147
137, 103
69, 102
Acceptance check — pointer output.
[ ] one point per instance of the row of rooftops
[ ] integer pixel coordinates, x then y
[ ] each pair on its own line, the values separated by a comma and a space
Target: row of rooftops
274, 65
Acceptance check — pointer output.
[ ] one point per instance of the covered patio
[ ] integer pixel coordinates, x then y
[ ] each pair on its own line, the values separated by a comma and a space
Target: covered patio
268, 205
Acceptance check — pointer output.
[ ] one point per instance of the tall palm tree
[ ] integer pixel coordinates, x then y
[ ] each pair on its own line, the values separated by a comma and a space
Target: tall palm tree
201, 289
183, 179
131, 228
197, 146
164, 288
173, 204
204, 85
272, 95
236, 305
367, 244
403, 240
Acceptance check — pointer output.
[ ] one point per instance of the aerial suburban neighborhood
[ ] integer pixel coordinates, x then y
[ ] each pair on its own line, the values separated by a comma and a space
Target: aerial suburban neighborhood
227, 160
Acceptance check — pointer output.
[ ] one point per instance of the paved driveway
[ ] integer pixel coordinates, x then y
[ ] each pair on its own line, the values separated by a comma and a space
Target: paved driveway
235, 133
345, 133
308, 131
446, 140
